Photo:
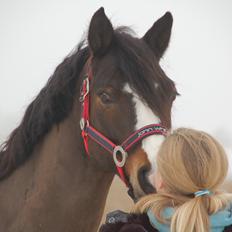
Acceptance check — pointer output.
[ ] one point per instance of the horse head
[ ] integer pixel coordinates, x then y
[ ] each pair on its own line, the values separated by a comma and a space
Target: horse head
128, 90
116, 89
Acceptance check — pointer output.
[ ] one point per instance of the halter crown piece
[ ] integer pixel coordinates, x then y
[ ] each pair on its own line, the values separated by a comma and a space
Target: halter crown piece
202, 192
118, 151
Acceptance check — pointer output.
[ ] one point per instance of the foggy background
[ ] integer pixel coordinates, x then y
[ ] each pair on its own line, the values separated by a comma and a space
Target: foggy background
35, 36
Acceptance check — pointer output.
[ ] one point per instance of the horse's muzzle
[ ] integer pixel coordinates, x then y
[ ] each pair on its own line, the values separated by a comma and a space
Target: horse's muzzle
144, 181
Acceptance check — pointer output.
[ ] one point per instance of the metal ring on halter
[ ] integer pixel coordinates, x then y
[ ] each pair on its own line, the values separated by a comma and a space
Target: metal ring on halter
123, 154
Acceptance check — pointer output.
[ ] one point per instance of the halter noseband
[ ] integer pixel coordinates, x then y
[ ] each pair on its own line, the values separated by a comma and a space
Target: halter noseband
90, 132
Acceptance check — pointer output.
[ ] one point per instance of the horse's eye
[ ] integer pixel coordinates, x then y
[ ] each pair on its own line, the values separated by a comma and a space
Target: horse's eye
105, 98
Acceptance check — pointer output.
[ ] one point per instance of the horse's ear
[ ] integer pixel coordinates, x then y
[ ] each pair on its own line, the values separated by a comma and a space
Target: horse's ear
100, 33
158, 36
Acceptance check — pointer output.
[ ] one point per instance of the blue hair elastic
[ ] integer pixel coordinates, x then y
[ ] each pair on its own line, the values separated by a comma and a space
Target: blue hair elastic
202, 192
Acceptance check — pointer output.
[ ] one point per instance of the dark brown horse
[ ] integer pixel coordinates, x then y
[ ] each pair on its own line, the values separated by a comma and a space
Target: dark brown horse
48, 182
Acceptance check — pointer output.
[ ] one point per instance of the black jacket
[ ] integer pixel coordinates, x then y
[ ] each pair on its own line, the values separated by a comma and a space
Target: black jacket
134, 223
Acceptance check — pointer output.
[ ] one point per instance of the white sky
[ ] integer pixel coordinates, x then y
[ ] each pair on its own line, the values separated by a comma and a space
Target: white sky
36, 35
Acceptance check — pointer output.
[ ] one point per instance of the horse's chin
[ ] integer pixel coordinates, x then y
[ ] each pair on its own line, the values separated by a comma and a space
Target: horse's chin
142, 189
134, 196
131, 194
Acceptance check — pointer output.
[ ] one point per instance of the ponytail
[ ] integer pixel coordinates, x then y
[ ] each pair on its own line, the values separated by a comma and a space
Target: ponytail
191, 214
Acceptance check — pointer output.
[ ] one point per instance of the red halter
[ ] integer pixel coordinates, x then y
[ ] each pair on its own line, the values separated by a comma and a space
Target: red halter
90, 132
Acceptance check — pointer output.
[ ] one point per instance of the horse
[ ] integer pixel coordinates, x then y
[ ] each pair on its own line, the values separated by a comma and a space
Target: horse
104, 111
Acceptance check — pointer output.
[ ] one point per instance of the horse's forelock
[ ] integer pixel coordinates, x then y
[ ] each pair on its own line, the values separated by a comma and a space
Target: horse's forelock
141, 70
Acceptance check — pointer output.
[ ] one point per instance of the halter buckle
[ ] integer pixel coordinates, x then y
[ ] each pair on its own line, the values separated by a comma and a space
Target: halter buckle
86, 92
124, 155
83, 123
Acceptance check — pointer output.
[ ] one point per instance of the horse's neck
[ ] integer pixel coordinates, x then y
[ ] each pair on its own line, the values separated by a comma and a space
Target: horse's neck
61, 189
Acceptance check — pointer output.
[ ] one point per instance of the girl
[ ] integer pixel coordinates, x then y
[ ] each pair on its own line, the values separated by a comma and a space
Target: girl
191, 166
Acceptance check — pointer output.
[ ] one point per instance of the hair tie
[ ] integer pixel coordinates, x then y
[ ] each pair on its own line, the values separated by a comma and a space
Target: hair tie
202, 192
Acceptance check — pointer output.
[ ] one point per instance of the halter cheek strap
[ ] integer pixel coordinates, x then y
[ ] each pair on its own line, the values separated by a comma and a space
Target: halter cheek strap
119, 152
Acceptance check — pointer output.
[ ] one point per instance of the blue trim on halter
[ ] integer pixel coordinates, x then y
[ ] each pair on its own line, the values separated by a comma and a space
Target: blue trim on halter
202, 192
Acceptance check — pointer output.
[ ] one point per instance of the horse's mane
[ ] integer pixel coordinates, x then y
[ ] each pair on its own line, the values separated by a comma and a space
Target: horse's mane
51, 106
55, 100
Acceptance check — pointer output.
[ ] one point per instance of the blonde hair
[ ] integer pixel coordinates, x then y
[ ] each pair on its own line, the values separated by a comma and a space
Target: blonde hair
189, 161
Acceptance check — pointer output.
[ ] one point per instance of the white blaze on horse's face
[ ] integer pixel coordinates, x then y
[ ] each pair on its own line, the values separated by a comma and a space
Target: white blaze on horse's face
145, 116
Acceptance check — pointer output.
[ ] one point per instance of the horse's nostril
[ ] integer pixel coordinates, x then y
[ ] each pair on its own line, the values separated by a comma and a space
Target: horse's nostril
143, 180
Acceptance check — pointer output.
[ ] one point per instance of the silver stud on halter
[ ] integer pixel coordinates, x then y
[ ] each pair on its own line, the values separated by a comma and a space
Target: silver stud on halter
120, 163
